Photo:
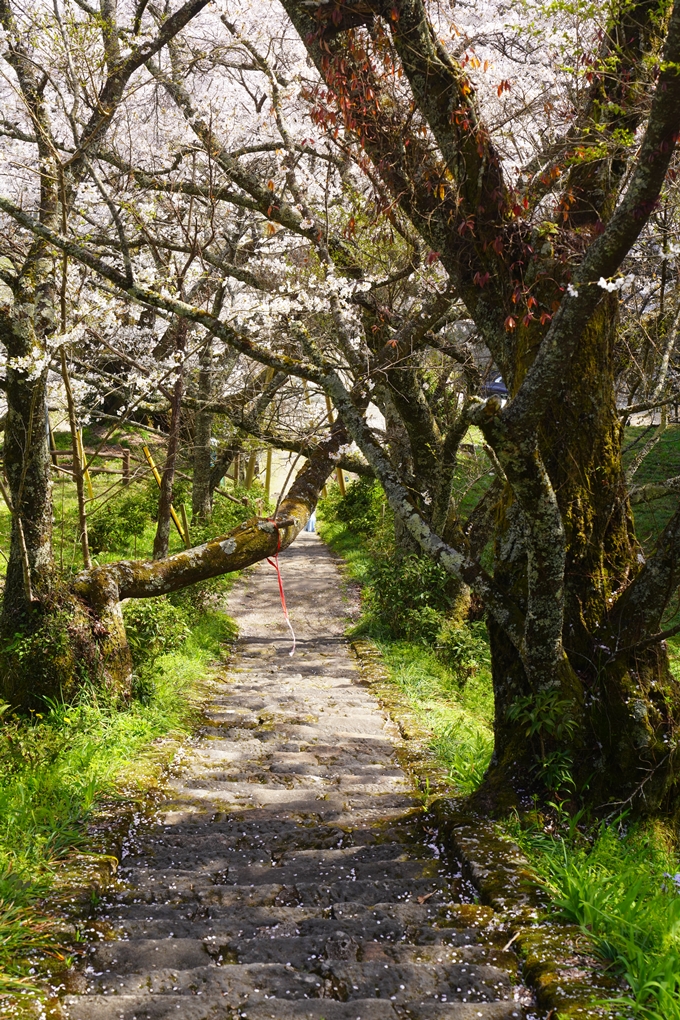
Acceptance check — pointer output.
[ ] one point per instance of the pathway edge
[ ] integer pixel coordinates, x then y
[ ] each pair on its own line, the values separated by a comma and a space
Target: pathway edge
557, 966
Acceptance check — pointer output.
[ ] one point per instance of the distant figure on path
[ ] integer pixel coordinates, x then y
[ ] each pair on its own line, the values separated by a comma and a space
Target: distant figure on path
311, 523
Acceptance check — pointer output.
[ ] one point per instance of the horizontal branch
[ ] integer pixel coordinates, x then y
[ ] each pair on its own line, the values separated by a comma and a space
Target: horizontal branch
648, 405
249, 543
654, 490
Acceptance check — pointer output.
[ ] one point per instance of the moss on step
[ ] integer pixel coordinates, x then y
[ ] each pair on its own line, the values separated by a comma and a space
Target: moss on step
557, 961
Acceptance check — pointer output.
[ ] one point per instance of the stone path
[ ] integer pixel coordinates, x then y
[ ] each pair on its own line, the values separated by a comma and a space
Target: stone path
286, 875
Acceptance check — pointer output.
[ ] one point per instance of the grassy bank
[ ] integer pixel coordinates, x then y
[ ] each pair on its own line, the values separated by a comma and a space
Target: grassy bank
57, 765
620, 884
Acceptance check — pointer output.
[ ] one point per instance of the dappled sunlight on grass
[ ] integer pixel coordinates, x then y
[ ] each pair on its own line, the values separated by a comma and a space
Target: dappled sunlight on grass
458, 717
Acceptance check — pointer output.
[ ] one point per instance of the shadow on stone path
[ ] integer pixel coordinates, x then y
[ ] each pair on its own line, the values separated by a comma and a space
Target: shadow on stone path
286, 876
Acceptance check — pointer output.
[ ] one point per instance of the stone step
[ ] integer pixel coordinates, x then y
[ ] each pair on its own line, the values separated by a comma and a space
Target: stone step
225, 871
173, 887
246, 925
174, 1007
170, 1007
329, 872
202, 849
334, 979
242, 917
135, 954
250, 835
302, 951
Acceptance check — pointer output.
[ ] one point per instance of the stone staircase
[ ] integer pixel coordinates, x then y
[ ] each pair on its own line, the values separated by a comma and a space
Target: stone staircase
288, 875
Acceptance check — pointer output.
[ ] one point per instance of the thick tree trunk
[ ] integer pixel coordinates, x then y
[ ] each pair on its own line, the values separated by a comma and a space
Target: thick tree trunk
606, 723
47, 643
27, 465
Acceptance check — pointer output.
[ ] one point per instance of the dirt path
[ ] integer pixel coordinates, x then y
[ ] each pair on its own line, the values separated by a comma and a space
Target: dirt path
286, 875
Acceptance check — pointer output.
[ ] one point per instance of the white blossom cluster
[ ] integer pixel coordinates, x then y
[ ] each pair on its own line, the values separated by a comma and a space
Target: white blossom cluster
237, 191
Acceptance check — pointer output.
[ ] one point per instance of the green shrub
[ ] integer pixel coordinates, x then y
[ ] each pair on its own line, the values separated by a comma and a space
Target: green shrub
362, 508
464, 648
202, 596
409, 597
227, 515
153, 626
119, 521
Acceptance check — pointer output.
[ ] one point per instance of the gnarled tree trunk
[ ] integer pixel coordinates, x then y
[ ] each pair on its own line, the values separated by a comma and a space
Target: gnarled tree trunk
617, 702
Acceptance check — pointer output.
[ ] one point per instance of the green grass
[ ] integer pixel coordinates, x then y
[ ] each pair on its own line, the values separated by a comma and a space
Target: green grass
662, 462
56, 767
454, 705
351, 547
459, 718
622, 888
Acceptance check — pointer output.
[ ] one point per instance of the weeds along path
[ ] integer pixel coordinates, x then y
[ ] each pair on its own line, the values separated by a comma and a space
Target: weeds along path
286, 875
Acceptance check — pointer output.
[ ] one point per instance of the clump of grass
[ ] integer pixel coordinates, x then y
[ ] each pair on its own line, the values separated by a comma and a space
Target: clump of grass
459, 718
465, 751
622, 887
22, 932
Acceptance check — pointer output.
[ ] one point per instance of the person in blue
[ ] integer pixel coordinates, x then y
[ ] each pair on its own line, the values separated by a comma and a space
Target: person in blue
311, 523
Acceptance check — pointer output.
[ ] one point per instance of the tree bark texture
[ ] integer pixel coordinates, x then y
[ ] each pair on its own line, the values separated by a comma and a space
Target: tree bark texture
27, 465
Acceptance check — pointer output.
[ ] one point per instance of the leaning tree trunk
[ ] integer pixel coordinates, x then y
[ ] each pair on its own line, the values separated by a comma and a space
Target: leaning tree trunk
607, 723
103, 588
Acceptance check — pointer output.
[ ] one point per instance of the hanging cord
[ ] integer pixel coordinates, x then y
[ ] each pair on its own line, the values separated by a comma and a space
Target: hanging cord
275, 564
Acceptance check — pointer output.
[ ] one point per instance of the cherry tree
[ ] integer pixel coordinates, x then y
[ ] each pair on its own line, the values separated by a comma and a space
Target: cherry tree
463, 188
